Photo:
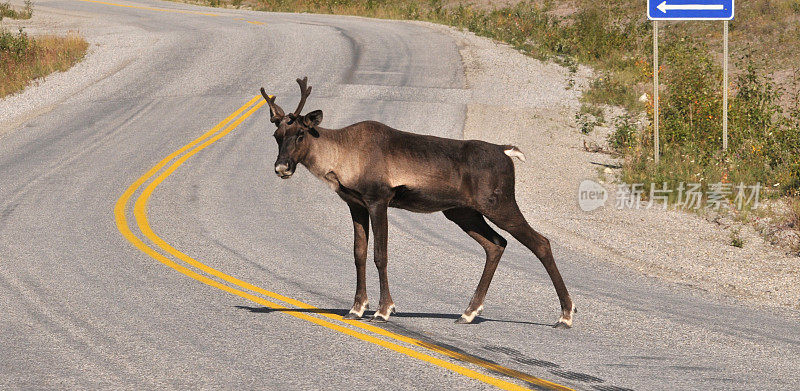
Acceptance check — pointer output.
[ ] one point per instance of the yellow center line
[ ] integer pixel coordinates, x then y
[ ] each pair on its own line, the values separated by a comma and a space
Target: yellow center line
152, 8
178, 11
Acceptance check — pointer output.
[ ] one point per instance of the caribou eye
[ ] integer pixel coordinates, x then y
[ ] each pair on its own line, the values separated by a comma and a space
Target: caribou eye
301, 135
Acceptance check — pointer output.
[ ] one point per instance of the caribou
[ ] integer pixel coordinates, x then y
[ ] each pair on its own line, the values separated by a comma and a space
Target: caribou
372, 167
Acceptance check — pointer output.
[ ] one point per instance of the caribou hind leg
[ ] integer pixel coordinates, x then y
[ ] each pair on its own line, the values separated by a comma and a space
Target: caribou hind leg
476, 227
360, 217
508, 217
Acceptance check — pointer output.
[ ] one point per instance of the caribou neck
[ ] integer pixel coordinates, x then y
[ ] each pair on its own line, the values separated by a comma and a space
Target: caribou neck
324, 152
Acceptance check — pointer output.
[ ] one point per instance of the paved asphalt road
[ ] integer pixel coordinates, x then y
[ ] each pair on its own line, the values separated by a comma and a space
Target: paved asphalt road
81, 306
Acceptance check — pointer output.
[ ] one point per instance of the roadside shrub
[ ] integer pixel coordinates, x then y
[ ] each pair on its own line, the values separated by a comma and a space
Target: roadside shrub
23, 59
15, 45
624, 135
7, 12
588, 117
692, 105
736, 238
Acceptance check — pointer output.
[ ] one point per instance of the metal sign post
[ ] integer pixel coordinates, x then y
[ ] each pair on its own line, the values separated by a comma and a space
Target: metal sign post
690, 10
655, 92
725, 89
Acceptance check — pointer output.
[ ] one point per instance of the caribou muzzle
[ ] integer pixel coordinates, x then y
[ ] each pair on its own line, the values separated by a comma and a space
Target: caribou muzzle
283, 170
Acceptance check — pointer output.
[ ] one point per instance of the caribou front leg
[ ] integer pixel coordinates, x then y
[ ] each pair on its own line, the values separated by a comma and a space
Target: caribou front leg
380, 231
360, 217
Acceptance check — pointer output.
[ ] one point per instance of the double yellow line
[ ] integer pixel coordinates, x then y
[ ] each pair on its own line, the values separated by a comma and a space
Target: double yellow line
204, 273
172, 10
177, 11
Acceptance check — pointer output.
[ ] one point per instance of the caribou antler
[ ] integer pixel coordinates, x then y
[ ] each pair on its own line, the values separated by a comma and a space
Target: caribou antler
274, 109
305, 91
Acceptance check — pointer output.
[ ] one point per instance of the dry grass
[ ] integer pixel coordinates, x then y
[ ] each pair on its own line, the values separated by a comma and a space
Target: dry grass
24, 59
6, 11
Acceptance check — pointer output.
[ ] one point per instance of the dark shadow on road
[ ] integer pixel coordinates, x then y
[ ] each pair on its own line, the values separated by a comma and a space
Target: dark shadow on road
477, 320
267, 310
343, 312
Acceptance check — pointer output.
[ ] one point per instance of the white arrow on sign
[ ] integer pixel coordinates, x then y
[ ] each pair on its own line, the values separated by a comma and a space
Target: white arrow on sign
664, 7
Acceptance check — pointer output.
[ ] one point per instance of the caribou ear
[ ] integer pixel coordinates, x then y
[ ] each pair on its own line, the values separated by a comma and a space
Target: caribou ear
311, 120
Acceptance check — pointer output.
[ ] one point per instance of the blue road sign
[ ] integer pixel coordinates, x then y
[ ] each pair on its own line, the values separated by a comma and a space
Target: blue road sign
690, 9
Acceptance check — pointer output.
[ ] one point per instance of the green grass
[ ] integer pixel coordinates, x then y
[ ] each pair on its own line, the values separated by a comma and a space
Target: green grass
736, 238
588, 117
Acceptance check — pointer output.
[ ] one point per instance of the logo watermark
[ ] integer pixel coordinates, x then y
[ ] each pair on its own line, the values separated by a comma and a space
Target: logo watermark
592, 195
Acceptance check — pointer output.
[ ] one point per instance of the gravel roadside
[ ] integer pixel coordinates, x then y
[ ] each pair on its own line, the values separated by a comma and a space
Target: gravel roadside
522, 101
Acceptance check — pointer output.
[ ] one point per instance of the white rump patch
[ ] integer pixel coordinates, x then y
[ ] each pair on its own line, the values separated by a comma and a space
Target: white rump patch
515, 152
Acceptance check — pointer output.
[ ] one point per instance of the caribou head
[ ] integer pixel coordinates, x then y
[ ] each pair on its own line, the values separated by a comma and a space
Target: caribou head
292, 131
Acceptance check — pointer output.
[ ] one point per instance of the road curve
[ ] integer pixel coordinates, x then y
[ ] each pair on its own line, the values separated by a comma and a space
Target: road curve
145, 241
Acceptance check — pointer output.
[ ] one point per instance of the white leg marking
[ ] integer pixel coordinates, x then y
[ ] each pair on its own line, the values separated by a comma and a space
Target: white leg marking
384, 316
567, 321
468, 318
359, 311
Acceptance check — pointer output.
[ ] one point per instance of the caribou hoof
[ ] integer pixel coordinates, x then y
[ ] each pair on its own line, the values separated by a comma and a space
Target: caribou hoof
565, 321
562, 325
463, 320
468, 317
357, 311
378, 318
383, 316
352, 316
